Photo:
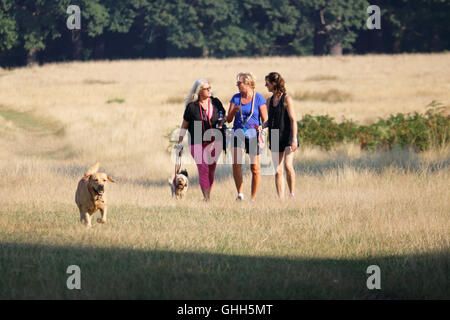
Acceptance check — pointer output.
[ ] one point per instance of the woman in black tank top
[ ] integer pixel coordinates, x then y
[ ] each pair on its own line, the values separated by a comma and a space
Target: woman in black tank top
282, 132
279, 119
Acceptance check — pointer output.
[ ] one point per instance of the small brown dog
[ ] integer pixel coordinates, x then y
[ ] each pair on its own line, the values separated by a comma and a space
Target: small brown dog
179, 184
91, 195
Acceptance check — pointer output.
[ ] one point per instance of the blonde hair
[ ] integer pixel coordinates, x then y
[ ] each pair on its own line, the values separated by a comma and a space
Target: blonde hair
248, 77
195, 91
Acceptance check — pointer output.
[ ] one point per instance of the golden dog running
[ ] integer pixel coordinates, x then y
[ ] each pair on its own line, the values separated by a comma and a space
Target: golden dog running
91, 195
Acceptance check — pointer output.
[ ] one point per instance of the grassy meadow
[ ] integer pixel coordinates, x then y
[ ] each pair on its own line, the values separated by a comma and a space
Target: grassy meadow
353, 208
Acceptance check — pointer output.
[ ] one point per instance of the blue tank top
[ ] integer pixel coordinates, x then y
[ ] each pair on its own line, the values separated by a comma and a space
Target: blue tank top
252, 124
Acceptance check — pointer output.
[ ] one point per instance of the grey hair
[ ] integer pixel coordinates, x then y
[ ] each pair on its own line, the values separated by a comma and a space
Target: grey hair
195, 91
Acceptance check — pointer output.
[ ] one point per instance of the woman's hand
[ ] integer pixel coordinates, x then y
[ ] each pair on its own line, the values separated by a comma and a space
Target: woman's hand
220, 123
232, 112
294, 145
179, 149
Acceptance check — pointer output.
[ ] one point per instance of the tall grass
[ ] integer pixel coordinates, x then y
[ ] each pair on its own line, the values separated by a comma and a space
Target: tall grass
353, 208
332, 96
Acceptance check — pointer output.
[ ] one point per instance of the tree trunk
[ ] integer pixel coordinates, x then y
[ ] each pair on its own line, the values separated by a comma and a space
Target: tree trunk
100, 48
205, 53
31, 57
336, 49
77, 45
435, 43
320, 37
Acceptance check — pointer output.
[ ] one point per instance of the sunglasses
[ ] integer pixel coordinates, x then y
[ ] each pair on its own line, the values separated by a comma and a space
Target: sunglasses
208, 88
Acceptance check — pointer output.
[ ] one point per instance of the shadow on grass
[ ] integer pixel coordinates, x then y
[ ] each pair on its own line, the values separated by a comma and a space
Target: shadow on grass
39, 272
402, 160
222, 172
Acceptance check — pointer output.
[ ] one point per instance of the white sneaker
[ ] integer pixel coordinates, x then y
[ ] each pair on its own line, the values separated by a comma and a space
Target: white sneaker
240, 197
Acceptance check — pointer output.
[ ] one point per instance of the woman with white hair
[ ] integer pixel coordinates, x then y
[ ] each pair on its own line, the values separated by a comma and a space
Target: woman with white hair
203, 112
246, 108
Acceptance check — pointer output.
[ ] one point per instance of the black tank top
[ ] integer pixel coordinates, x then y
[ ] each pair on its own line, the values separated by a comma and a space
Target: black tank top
279, 119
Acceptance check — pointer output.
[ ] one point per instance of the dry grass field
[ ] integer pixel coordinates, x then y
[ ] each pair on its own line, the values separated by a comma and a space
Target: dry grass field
353, 208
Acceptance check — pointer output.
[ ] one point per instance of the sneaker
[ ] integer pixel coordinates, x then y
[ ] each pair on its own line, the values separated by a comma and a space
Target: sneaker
292, 196
240, 197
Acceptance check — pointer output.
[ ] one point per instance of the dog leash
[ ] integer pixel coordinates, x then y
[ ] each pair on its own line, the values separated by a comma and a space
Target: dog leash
177, 166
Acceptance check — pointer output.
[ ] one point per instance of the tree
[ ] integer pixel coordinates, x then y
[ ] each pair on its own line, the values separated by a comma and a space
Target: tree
335, 24
9, 35
37, 22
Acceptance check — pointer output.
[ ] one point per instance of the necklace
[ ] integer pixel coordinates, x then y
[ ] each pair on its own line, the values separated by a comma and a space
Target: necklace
207, 114
276, 99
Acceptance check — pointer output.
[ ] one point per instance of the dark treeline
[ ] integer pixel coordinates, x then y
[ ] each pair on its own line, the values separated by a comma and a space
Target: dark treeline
35, 31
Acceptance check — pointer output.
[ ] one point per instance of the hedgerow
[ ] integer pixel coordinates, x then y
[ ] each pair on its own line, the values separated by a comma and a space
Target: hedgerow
412, 130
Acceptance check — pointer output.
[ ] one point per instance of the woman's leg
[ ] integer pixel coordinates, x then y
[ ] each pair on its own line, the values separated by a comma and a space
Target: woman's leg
206, 193
203, 169
237, 168
277, 161
255, 169
289, 167
212, 167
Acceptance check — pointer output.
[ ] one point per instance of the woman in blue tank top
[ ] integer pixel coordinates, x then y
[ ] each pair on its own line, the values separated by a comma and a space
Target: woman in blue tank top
246, 108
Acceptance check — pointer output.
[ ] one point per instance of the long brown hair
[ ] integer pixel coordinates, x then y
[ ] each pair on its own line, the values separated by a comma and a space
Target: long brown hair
275, 77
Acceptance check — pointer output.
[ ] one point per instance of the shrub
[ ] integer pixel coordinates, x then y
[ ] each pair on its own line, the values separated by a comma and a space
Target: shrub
417, 131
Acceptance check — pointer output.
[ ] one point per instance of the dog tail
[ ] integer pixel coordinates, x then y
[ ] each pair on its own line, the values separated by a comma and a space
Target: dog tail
93, 169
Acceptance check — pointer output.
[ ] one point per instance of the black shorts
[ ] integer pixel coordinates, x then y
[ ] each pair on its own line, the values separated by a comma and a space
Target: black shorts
281, 146
251, 145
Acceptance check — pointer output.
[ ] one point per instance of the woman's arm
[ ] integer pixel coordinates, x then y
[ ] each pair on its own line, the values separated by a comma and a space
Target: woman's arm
263, 113
288, 104
232, 112
184, 126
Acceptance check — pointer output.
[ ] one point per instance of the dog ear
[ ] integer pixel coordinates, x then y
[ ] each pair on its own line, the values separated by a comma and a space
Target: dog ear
109, 178
93, 169
184, 172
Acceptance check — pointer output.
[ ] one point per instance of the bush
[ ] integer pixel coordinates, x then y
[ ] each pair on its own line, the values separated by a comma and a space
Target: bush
417, 131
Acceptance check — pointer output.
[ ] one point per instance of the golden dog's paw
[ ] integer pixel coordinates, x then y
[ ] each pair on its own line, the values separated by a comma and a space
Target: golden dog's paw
101, 220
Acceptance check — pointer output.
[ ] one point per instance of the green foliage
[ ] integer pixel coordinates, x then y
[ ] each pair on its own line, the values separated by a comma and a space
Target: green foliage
8, 27
32, 30
336, 22
115, 100
415, 26
418, 131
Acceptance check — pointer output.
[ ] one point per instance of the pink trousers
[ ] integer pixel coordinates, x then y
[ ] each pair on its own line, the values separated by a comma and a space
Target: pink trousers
206, 159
